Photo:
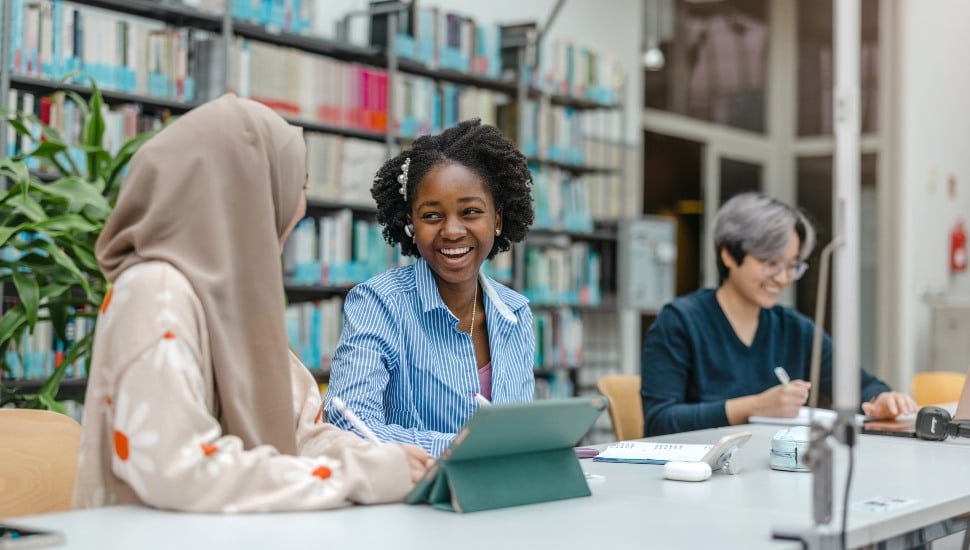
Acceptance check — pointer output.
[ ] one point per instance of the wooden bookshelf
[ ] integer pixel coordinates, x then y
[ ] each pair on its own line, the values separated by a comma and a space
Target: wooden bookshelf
603, 237
43, 86
297, 293
70, 388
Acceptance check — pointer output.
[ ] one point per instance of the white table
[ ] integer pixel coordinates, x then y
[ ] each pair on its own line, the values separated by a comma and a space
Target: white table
632, 506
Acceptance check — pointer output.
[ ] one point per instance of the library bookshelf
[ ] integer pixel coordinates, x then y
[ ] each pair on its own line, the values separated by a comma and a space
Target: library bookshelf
359, 103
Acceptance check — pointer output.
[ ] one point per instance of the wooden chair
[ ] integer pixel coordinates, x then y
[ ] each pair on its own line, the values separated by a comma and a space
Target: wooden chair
38, 461
933, 388
626, 407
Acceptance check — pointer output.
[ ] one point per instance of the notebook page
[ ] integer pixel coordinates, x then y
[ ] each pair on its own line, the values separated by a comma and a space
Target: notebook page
652, 452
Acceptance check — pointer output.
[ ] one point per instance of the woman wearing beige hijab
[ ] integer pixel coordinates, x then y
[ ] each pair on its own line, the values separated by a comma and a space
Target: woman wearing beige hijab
194, 401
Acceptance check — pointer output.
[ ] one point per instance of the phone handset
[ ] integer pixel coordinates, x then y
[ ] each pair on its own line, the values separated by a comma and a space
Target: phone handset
725, 454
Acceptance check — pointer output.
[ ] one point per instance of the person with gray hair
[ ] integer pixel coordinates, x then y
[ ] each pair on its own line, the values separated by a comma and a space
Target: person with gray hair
710, 358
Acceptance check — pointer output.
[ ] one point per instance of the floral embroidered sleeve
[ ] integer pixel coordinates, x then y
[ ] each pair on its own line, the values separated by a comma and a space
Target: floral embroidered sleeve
170, 449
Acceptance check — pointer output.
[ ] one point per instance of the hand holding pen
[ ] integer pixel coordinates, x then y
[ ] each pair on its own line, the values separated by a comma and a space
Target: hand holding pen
782, 375
356, 422
418, 459
785, 399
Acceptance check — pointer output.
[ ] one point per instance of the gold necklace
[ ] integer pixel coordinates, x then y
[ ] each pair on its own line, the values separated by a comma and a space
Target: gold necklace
471, 329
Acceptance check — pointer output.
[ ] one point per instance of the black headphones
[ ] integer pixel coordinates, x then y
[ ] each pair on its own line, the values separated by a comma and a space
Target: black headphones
936, 424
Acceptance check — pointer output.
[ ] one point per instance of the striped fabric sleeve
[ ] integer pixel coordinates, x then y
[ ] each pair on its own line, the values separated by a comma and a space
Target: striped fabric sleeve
369, 347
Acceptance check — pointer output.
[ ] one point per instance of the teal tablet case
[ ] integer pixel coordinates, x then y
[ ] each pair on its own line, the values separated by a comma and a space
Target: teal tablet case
512, 454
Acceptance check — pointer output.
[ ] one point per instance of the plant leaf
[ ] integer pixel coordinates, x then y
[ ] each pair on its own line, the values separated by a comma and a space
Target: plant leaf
17, 169
54, 290
57, 311
49, 402
29, 294
80, 195
48, 392
116, 165
12, 321
64, 261
85, 257
47, 149
26, 205
92, 134
38, 263
19, 126
7, 232
66, 224
76, 97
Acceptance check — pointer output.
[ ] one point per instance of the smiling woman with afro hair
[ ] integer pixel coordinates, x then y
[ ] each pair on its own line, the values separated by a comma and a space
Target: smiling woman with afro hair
481, 148
419, 341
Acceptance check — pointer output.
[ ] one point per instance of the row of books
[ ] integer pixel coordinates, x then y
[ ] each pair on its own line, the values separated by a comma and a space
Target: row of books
438, 37
444, 39
563, 276
40, 351
553, 132
310, 87
559, 338
342, 169
51, 38
555, 386
337, 250
562, 201
574, 69
325, 90
60, 113
313, 329
606, 192
295, 16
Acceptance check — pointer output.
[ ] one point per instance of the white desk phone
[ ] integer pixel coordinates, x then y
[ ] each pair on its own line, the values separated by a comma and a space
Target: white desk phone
724, 455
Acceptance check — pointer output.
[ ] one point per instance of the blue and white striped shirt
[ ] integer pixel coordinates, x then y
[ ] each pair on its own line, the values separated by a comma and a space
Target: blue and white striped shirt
406, 369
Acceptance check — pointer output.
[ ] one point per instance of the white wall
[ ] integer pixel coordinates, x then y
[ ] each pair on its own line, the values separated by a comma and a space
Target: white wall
609, 26
931, 143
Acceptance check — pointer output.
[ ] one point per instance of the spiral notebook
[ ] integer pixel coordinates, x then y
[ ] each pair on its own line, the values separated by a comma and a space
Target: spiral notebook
644, 452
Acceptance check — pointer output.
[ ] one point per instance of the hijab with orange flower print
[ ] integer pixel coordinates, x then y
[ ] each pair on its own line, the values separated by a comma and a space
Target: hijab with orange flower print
211, 194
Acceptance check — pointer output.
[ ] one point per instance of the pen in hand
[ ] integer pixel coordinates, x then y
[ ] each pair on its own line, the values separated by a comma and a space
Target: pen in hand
782, 375
355, 421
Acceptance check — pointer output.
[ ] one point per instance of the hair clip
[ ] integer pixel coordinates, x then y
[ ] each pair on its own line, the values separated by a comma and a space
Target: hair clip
402, 178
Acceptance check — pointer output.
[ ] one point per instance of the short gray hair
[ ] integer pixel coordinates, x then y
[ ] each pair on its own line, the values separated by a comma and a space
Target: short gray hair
751, 223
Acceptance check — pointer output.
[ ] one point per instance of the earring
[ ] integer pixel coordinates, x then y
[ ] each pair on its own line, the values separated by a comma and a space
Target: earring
498, 232
409, 230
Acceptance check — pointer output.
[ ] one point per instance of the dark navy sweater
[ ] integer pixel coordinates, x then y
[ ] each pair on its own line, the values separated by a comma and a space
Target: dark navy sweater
693, 362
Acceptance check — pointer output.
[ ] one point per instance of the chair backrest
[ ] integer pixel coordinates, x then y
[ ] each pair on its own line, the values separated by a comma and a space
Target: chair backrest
38, 461
933, 388
626, 407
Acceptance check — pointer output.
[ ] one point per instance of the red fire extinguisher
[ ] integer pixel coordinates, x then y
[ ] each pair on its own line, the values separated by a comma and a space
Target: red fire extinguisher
958, 248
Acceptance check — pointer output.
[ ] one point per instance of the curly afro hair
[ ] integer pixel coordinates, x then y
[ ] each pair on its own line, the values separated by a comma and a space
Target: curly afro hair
484, 150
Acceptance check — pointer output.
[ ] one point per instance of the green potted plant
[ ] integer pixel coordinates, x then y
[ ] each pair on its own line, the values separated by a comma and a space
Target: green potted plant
48, 228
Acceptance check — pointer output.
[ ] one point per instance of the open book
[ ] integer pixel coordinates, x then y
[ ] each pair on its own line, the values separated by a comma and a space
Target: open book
822, 416
642, 452
651, 452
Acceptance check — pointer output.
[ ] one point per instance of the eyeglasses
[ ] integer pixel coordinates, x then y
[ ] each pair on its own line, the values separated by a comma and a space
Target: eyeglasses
794, 270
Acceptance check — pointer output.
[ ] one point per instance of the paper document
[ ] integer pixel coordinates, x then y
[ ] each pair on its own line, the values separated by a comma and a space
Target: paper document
642, 452
822, 416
